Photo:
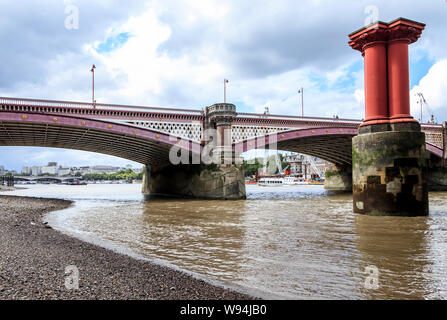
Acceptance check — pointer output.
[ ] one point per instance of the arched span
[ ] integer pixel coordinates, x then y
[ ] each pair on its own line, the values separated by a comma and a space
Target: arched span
137, 144
327, 143
434, 150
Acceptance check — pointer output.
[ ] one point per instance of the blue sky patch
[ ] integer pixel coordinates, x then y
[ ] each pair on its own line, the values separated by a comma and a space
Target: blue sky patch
420, 64
113, 43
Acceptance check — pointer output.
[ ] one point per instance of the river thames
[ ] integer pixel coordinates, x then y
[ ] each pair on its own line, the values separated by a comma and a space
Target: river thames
295, 242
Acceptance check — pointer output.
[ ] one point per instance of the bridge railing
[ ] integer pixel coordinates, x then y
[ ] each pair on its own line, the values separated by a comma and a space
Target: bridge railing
24, 104
296, 118
40, 103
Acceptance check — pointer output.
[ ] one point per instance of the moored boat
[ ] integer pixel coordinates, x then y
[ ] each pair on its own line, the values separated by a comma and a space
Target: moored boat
271, 182
293, 180
316, 182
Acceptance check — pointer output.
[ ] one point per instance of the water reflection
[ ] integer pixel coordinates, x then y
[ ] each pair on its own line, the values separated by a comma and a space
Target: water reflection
399, 248
199, 235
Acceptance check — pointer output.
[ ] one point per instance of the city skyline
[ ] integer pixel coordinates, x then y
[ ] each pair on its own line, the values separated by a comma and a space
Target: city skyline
67, 165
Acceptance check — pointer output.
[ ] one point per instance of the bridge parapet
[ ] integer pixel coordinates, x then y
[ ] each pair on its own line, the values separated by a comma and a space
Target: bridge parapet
191, 124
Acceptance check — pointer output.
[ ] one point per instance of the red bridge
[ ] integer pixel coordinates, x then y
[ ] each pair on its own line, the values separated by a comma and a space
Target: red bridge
146, 134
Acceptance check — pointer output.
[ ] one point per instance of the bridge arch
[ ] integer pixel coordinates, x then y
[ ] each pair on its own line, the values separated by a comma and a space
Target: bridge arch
333, 144
141, 145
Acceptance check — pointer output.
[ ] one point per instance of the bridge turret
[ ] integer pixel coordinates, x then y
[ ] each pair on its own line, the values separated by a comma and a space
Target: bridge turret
219, 116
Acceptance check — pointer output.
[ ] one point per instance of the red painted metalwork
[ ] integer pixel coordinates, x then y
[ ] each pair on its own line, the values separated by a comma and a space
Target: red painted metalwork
387, 85
68, 115
122, 129
434, 149
260, 142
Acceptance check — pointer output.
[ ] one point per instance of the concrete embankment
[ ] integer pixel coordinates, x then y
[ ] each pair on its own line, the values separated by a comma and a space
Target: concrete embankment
34, 258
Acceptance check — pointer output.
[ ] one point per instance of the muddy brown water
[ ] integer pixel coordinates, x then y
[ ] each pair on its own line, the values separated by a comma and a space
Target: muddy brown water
294, 242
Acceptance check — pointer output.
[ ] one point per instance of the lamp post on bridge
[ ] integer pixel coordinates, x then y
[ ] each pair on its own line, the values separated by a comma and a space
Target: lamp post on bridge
93, 85
301, 90
225, 90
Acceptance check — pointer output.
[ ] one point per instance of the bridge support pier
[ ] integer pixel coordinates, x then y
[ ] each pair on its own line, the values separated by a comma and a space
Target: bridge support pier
389, 172
213, 181
437, 179
389, 160
338, 178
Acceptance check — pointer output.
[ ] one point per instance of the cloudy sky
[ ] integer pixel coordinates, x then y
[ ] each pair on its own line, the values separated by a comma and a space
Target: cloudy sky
176, 53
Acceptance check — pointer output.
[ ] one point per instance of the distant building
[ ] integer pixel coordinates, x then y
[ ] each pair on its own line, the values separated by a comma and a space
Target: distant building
137, 170
296, 163
64, 171
103, 169
36, 170
306, 166
26, 170
2, 170
49, 170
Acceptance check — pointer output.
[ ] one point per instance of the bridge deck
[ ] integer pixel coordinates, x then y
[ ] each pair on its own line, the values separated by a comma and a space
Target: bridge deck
146, 134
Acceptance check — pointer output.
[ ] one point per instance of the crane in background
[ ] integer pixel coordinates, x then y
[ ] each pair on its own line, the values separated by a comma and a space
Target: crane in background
422, 102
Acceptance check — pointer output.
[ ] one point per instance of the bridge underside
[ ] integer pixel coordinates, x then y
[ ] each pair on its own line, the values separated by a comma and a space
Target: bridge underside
106, 139
335, 149
330, 144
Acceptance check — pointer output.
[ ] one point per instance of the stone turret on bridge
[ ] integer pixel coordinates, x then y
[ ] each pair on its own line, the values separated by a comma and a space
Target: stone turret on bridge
218, 120
216, 175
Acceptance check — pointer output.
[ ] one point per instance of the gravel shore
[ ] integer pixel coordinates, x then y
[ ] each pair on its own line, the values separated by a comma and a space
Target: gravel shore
33, 258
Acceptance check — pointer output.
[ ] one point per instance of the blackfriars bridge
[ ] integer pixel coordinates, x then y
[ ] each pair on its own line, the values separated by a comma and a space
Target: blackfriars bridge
146, 134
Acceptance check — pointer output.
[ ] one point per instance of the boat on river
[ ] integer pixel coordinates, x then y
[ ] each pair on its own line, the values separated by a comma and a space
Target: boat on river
294, 181
316, 182
271, 182
77, 183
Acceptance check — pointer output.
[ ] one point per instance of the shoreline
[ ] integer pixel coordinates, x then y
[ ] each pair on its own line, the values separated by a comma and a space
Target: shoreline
33, 258
6, 188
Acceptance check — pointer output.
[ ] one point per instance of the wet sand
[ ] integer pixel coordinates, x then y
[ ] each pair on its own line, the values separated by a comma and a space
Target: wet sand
33, 259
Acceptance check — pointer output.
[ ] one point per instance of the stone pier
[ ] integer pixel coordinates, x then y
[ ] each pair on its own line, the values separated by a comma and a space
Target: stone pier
390, 173
389, 160
213, 181
437, 179
220, 177
338, 178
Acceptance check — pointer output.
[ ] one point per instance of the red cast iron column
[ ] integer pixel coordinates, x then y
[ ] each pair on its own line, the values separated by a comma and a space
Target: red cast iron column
371, 41
401, 33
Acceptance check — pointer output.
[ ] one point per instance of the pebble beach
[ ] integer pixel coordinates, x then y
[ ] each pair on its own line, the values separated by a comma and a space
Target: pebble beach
34, 257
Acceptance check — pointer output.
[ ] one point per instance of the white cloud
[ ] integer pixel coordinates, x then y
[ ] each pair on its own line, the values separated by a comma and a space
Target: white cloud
434, 88
359, 95
179, 52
